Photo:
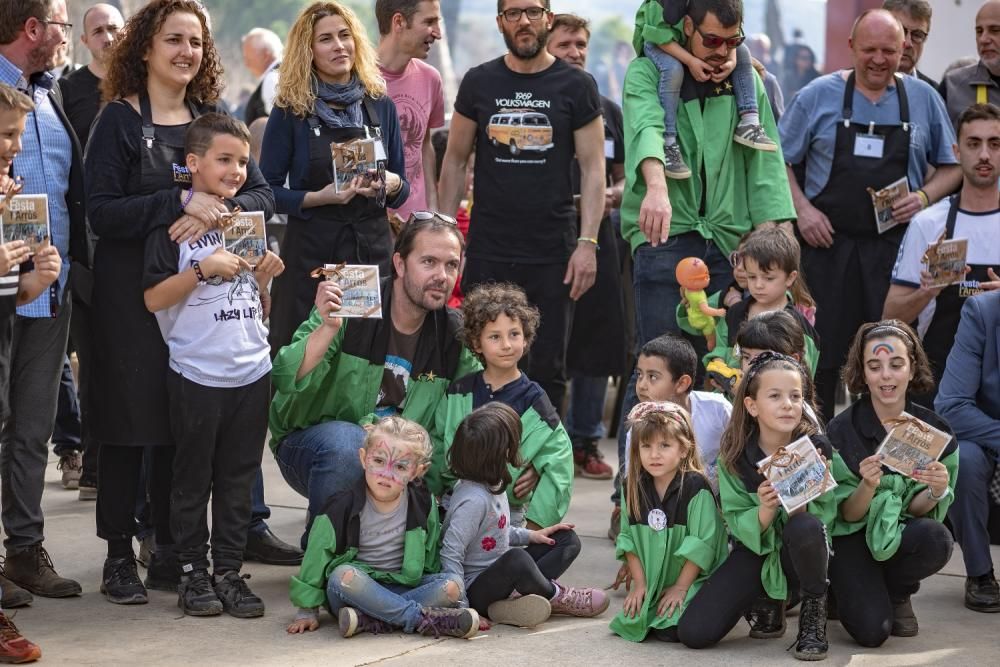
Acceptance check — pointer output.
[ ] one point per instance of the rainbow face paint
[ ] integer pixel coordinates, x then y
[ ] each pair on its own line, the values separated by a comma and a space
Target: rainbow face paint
880, 348
391, 463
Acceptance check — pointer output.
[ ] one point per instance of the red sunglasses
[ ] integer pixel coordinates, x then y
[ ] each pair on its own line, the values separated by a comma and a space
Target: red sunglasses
714, 41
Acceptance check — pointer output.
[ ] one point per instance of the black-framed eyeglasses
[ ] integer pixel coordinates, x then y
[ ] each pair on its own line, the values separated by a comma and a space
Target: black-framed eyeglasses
514, 15
916, 36
712, 41
425, 216
67, 28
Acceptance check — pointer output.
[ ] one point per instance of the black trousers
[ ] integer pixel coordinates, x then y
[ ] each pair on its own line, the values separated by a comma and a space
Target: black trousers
120, 474
220, 436
529, 571
545, 363
865, 588
722, 600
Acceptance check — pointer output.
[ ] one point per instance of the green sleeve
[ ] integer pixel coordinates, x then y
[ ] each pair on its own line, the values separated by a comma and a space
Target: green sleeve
739, 509
551, 454
467, 363
625, 542
650, 26
706, 534
812, 355
432, 555
286, 364
439, 453
308, 589
767, 178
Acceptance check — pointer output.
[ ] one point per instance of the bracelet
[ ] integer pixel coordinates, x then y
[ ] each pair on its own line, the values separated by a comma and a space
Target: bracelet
197, 271
924, 199
588, 239
187, 200
930, 494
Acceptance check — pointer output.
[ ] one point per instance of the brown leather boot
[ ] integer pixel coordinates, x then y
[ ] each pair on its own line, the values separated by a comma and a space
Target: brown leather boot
31, 569
13, 595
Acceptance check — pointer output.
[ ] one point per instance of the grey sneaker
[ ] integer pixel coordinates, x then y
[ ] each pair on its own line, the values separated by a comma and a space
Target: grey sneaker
351, 622
522, 611
236, 597
754, 137
448, 622
673, 162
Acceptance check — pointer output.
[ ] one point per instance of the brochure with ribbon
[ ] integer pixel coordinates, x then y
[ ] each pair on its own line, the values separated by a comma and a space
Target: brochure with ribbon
911, 444
797, 473
361, 286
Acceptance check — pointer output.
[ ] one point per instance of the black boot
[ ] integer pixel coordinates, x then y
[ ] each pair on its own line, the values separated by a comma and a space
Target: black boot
766, 618
811, 643
982, 593
163, 573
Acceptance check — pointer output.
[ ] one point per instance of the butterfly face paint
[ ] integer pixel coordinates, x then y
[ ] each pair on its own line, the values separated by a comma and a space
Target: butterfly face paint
390, 462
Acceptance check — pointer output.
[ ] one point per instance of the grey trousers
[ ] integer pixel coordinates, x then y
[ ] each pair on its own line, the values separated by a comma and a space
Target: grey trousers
37, 353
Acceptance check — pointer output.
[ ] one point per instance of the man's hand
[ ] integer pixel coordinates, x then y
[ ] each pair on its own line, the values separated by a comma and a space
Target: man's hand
654, 216
581, 271
906, 207
814, 226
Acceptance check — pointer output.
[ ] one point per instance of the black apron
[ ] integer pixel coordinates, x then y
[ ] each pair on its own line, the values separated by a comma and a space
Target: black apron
940, 335
849, 280
130, 354
357, 233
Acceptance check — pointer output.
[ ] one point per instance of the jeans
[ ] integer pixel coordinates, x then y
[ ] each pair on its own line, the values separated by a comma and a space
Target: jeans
398, 605
657, 295
66, 431
586, 409
743, 87
319, 461
970, 511
671, 78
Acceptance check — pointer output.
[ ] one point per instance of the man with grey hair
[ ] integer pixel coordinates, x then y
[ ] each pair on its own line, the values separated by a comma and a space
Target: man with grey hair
976, 84
915, 17
262, 51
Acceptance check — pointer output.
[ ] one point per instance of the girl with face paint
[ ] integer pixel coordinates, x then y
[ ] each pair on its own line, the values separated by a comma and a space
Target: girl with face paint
888, 534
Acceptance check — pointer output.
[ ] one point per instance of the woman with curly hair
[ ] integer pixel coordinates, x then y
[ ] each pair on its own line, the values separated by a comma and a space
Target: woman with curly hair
330, 91
164, 72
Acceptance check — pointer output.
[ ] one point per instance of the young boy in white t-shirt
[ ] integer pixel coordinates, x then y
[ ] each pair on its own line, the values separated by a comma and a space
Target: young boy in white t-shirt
208, 303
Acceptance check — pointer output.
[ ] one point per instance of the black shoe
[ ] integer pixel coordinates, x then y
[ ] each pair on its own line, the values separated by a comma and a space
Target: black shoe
196, 596
236, 597
811, 643
13, 595
766, 618
904, 621
163, 573
120, 582
982, 593
264, 546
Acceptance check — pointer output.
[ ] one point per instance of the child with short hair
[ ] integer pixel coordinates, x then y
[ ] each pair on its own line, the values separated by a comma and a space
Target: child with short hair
672, 536
208, 304
480, 539
16, 288
661, 29
499, 326
775, 553
373, 553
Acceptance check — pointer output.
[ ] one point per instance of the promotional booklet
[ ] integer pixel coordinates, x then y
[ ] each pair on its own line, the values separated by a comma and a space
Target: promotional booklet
26, 218
362, 290
245, 236
797, 473
911, 444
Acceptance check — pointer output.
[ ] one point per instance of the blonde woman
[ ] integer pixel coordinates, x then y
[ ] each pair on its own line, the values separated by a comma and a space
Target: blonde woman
330, 91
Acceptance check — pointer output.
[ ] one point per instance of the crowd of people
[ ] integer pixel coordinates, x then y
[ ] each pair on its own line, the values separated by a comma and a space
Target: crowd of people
437, 445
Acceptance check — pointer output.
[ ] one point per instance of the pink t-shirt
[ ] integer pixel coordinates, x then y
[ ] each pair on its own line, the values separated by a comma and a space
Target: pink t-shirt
419, 97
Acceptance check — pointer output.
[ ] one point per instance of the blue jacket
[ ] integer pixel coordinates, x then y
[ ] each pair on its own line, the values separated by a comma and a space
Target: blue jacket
285, 155
969, 393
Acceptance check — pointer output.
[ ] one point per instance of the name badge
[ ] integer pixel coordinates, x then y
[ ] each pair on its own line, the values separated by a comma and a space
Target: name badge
657, 520
869, 145
609, 149
380, 151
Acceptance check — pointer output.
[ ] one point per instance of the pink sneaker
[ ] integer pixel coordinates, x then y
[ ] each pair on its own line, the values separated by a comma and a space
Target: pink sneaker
585, 602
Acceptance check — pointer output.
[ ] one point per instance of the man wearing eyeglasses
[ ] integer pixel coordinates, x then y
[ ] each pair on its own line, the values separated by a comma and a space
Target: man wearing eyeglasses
915, 17
858, 131
529, 114
978, 83
31, 32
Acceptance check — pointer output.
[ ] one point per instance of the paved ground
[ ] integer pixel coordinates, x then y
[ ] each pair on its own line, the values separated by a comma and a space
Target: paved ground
88, 630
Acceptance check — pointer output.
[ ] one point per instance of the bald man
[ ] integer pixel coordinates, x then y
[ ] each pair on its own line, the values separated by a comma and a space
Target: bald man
856, 129
262, 51
81, 90
965, 86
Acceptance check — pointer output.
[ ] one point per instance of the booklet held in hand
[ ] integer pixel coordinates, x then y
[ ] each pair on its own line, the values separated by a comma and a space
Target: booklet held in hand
797, 473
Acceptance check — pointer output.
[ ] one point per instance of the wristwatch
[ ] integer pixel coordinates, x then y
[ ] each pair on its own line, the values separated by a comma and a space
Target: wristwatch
930, 494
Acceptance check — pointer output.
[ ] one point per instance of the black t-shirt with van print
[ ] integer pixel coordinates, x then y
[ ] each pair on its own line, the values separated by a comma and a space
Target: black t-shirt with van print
523, 196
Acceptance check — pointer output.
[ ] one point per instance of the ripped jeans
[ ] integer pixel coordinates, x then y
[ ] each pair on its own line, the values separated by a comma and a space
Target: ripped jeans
398, 605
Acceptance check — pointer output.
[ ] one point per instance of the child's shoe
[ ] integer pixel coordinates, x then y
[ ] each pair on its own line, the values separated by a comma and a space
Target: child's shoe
448, 622
811, 643
353, 622
236, 597
673, 163
753, 135
904, 621
196, 596
766, 618
163, 573
522, 611
13, 647
120, 582
585, 602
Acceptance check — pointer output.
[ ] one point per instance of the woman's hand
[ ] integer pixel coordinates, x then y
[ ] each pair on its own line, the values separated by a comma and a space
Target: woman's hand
224, 264
671, 600
329, 196
302, 625
12, 254
935, 476
871, 471
634, 600
210, 209
541, 536
188, 228
527, 482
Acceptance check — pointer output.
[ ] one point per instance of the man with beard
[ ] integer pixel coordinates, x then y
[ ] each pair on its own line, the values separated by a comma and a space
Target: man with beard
972, 214
977, 83
915, 17
857, 131
407, 29
50, 163
81, 90
528, 114
340, 374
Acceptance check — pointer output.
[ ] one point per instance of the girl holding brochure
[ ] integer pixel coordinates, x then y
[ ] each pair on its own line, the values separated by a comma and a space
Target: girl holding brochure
776, 552
888, 532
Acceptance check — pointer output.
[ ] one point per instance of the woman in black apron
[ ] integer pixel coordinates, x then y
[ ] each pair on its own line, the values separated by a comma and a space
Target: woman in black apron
330, 91
136, 181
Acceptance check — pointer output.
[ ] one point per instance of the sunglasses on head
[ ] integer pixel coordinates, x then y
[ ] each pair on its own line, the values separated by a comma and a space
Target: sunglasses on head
712, 41
424, 216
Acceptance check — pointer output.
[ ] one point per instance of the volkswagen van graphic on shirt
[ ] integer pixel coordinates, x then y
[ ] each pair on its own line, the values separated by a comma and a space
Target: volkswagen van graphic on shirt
520, 130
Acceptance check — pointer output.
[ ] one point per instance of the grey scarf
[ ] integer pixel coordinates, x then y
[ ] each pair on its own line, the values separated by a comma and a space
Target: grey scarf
347, 96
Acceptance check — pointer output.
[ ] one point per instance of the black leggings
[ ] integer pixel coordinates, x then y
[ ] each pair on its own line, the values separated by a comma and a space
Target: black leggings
528, 571
119, 473
865, 588
732, 589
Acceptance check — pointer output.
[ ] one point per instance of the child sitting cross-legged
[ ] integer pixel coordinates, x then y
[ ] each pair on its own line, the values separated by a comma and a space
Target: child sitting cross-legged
372, 557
